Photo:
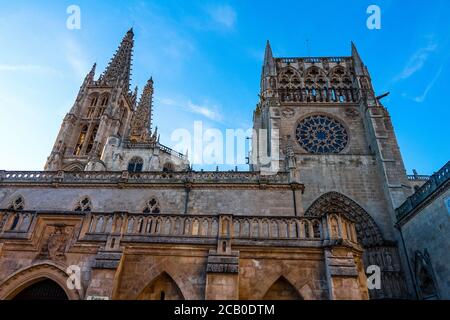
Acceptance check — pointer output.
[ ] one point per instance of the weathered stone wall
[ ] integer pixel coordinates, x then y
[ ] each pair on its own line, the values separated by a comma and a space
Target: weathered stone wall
120, 263
239, 201
429, 230
353, 173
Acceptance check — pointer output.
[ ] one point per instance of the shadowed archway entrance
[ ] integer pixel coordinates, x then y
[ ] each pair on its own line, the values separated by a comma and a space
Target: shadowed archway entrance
377, 251
163, 287
45, 289
282, 289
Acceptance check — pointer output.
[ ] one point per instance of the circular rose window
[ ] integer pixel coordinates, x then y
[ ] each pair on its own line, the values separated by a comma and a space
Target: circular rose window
321, 134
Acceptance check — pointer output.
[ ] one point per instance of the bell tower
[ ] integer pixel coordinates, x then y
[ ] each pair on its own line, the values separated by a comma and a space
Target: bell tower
103, 108
319, 119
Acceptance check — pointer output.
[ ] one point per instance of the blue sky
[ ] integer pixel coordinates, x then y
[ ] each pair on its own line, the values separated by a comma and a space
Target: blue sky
205, 58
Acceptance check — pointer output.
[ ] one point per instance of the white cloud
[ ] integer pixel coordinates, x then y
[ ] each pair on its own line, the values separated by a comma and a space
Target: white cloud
417, 61
223, 15
76, 58
28, 68
422, 97
207, 110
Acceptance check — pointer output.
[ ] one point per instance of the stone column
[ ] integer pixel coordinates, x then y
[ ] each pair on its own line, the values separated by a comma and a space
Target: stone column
222, 271
343, 264
106, 272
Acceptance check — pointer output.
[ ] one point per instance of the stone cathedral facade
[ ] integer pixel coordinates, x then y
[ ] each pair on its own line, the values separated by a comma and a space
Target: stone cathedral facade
135, 222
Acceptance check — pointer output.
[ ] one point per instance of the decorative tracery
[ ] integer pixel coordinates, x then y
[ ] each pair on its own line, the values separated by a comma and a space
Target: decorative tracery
321, 134
83, 205
136, 164
152, 206
17, 204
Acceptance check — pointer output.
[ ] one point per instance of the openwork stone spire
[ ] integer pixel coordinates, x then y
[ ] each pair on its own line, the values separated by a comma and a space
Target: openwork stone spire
118, 72
359, 65
269, 62
140, 127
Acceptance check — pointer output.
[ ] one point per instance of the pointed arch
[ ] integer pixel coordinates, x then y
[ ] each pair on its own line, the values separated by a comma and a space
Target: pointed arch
289, 78
368, 232
28, 276
424, 276
282, 289
163, 287
45, 289
74, 166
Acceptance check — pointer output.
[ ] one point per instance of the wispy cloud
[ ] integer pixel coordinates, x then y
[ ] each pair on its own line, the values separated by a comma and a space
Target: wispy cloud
417, 61
422, 97
223, 15
76, 57
210, 111
28, 68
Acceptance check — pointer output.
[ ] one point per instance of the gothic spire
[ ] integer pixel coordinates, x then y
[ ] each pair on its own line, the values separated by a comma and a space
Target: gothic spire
89, 79
118, 72
140, 127
359, 65
269, 62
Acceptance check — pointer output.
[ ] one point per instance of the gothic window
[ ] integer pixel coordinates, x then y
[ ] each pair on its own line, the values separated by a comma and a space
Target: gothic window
424, 277
93, 100
135, 164
105, 99
84, 205
152, 206
316, 230
321, 134
289, 78
100, 112
90, 112
17, 204
80, 142
168, 167
92, 139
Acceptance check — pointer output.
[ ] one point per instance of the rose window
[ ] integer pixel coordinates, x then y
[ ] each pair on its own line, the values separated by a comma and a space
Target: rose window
321, 135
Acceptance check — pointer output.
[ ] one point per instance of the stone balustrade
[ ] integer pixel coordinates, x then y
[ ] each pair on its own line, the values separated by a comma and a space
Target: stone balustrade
415, 177
184, 228
314, 59
114, 177
434, 182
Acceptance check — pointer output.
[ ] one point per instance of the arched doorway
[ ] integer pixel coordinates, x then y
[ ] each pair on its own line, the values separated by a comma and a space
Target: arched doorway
377, 251
282, 289
45, 289
39, 279
163, 287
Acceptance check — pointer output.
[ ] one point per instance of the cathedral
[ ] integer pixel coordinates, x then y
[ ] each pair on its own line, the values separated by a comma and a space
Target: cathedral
117, 215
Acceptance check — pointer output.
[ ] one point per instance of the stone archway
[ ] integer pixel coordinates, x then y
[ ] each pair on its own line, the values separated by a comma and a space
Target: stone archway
45, 289
163, 287
282, 289
369, 235
377, 251
30, 276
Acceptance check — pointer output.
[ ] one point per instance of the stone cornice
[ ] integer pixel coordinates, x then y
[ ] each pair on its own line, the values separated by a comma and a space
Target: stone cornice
125, 179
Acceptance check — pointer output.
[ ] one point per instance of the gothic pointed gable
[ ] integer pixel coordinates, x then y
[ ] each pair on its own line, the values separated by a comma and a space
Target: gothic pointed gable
140, 127
118, 72
368, 232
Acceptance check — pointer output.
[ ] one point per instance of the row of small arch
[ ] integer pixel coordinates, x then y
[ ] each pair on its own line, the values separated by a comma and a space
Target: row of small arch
84, 204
